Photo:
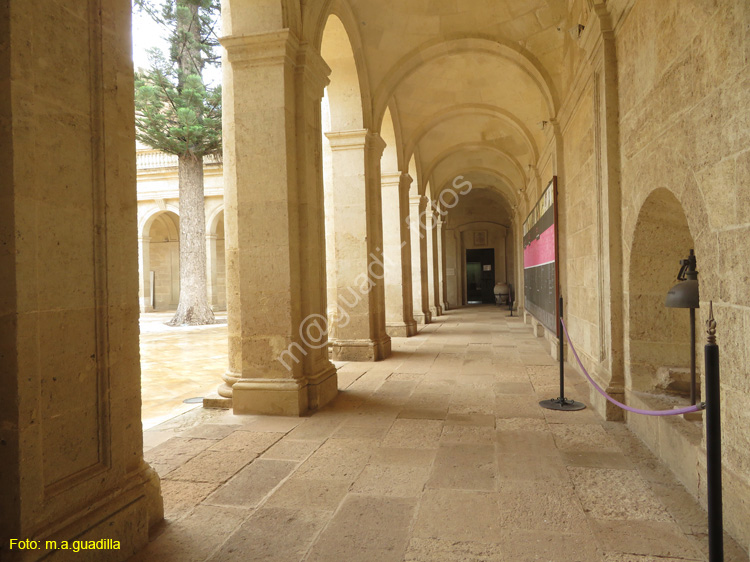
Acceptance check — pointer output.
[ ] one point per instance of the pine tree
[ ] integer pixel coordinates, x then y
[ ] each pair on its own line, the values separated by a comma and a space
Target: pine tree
178, 114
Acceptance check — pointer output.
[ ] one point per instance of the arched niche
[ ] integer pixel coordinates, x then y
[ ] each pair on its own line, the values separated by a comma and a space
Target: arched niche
658, 337
163, 233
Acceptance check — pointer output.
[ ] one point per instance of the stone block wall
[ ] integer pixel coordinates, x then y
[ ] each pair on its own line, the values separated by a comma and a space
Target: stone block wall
684, 91
579, 227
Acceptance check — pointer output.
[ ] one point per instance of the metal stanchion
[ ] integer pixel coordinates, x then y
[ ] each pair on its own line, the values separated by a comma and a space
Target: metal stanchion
561, 403
713, 445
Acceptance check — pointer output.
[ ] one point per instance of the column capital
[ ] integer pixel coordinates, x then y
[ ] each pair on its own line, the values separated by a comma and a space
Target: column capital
261, 49
418, 201
405, 181
390, 179
313, 70
375, 145
348, 140
144, 239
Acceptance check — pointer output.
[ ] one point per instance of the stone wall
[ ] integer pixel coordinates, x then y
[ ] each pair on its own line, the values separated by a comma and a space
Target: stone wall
684, 91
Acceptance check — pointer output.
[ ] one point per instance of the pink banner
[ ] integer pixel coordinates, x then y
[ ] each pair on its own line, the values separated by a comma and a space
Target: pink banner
540, 251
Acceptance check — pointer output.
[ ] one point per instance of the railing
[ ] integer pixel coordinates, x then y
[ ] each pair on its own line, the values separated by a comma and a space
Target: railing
153, 159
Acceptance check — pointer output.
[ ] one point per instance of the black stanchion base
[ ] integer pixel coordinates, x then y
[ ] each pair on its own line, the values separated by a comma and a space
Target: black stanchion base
562, 404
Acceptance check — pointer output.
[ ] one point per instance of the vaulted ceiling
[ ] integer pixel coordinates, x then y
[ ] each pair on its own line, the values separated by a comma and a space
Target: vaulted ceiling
468, 83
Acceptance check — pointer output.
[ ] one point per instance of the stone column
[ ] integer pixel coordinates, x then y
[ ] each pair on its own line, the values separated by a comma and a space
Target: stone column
358, 318
145, 290
274, 224
211, 272
71, 440
442, 290
417, 206
397, 251
431, 263
437, 264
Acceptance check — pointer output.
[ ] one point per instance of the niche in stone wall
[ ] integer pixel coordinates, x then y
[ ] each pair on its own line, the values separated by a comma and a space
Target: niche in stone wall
164, 260
659, 337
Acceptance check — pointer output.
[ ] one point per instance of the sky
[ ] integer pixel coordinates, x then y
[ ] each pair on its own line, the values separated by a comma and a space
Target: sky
148, 34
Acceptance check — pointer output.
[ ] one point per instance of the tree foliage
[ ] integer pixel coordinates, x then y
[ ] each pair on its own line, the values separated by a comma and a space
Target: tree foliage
176, 112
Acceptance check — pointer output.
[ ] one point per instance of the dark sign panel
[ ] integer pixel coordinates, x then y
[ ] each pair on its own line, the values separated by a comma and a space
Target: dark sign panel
540, 258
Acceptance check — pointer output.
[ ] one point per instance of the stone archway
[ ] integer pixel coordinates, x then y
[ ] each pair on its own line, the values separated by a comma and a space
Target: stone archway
352, 184
658, 344
160, 262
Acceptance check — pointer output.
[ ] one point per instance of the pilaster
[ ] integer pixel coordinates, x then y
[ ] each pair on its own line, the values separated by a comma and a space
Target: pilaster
397, 253
441, 264
417, 206
431, 265
274, 243
145, 289
358, 326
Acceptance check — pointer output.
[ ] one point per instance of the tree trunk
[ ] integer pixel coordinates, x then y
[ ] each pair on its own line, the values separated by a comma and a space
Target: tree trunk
193, 308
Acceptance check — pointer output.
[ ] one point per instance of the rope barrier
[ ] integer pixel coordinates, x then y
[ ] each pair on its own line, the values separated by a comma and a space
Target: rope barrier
675, 412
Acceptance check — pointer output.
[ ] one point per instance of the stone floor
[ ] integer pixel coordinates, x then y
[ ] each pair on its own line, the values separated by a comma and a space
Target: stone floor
440, 453
178, 364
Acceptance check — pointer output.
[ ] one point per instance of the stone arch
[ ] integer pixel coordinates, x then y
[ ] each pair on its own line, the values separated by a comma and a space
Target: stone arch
471, 109
657, 337
390, 159
482, 209
145, 222
212, 221
339, 43
510, 196
160, 253
507, 50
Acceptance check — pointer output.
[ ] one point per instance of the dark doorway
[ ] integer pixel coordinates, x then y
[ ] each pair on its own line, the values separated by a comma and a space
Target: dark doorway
480, 276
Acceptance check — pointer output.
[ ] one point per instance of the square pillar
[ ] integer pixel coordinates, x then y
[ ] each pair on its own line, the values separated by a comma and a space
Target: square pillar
417, 206
71, 440
441, 260
145, 289
358, 330
431, 261
274, 226
397, 252
211, 271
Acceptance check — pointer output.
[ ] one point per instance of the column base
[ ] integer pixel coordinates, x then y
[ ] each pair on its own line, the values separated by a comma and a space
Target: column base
604, 407
401, 329
216, 401
230, 379
322, 388
422, 318
439, 310
285, 397
360, 350
125, 515
272, 397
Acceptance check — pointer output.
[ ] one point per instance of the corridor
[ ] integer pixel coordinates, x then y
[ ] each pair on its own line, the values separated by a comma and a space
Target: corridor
437, 454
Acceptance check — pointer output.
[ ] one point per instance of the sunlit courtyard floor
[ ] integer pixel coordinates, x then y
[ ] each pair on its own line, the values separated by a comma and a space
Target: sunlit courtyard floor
441, 453
178, 364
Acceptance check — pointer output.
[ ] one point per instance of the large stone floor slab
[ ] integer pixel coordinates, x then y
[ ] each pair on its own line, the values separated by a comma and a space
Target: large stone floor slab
438, 454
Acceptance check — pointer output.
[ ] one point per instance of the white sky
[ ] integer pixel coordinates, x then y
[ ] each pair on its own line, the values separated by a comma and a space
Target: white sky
147, 34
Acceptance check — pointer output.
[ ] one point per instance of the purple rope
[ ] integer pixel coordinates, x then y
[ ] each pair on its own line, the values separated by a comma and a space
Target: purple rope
675, 412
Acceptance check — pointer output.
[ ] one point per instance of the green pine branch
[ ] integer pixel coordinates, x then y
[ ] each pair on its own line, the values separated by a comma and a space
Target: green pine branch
175, 111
